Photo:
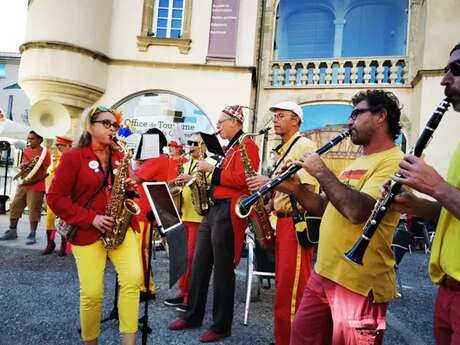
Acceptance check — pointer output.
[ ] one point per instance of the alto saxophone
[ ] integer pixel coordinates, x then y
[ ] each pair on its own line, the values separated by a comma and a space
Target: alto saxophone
120, 208
259, 219
199, 188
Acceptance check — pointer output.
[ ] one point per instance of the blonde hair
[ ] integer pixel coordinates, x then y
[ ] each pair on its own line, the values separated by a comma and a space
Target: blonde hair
84, 133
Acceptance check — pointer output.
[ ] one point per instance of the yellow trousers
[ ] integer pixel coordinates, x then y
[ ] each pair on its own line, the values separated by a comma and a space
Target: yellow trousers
91, 262
143, 242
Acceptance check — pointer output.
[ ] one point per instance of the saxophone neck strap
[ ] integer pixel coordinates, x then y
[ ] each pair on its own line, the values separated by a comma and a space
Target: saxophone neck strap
103, 183
279, 161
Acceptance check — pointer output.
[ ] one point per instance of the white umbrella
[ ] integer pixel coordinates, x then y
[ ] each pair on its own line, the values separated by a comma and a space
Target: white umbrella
13, 130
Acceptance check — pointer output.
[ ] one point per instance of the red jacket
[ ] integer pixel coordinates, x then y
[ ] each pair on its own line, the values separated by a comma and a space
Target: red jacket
232, 185
152, 170
72, 186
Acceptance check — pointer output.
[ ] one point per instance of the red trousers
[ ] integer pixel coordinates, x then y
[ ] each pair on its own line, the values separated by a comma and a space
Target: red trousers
331, 314
292, 269
447, 317
191, 230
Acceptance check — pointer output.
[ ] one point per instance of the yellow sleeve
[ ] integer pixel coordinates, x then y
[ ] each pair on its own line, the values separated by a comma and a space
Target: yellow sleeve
381, 173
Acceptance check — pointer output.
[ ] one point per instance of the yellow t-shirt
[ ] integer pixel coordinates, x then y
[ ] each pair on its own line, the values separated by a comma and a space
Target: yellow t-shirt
446, 245
302, 146
337, 235
188, 210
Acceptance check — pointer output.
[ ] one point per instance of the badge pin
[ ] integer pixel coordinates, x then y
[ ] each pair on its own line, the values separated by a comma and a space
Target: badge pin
94, 165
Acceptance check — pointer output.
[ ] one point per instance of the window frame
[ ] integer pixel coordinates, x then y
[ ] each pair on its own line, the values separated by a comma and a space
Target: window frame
149, 27
169, 18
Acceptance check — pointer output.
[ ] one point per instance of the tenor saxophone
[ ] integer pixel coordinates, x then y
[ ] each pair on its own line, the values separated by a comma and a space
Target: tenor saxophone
120, 208
259, 219
199, 188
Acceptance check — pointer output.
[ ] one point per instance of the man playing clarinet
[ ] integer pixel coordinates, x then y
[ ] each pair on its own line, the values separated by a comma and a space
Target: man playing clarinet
345, 303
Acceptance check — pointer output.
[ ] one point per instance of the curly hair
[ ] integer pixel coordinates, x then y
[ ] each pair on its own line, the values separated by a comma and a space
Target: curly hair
457, 47
382, 100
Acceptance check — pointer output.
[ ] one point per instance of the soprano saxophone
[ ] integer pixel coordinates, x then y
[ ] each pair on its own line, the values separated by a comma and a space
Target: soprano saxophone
120, 208
259, 219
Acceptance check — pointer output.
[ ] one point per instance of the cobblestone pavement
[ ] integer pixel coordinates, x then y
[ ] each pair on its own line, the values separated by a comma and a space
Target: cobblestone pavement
39, 302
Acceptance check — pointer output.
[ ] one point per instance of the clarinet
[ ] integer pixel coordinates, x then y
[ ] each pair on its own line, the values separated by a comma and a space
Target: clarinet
356, 253
244, 207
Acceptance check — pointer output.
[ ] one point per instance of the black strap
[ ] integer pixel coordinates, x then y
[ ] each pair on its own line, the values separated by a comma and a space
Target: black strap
103, 183
278, 162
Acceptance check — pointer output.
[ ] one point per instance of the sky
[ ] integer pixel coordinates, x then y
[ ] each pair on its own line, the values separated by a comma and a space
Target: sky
12, 24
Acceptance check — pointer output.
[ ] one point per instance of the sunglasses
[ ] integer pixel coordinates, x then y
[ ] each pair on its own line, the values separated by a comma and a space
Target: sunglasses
356, 112
107, 124
193, 143
454, 67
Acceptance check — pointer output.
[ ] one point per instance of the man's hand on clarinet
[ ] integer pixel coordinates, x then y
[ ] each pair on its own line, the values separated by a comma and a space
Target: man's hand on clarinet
418, 175
255, 182
312, 163
402, 202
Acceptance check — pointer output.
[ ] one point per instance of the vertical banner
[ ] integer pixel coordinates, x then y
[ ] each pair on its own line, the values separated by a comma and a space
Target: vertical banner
224, 29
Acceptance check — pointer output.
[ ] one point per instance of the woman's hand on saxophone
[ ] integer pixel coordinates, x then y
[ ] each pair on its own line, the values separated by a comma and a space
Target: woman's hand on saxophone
103, 223
130, 184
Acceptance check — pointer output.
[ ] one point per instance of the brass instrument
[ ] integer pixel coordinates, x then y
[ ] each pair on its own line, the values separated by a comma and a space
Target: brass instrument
120, 208
259, 219
175, 188
199, 188
26, 168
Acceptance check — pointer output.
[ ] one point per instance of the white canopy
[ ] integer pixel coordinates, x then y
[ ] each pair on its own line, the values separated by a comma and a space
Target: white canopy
13, 130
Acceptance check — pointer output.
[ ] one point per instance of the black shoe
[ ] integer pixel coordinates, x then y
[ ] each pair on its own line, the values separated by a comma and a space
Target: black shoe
182, 308
174, 302
31, 235
31, 240
9, 235
144, 296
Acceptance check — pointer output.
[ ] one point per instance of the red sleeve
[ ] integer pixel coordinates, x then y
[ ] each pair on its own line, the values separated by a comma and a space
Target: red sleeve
59, 195
47, 161
234, 176
151, 170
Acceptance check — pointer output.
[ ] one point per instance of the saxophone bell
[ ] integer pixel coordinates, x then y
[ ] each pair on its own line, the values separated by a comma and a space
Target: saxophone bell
132, 207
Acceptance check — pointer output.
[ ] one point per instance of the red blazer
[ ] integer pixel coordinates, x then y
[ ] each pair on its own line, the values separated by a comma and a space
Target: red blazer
232, 185
72, 186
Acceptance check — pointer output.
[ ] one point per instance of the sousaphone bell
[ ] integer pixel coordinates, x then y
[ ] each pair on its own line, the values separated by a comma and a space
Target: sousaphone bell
49, 119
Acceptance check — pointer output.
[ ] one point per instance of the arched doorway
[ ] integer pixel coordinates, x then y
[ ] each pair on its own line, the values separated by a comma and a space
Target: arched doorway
174, 114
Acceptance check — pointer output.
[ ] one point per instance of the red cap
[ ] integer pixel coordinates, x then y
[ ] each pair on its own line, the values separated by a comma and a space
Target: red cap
61, 140
174, 143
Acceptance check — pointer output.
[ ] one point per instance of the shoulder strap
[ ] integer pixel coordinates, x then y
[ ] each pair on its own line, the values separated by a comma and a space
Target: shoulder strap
103, 183
279, 161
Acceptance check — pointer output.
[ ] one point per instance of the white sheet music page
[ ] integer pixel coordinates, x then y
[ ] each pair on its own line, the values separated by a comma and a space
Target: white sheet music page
150, 146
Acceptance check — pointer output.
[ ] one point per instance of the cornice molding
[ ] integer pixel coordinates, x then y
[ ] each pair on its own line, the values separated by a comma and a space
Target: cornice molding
426, 73
57, 45
127, 62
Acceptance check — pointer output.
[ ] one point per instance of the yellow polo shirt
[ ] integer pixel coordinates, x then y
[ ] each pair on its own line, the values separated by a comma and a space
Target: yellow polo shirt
302, 146
337, 235
446, 245
188, 210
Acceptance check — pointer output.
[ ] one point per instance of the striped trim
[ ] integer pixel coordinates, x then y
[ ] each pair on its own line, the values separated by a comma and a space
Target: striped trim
295, 286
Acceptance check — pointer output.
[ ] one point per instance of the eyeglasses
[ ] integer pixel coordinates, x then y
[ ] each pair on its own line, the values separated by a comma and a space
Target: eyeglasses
107, 124
356, 112
193, 143
280, 116
454, 67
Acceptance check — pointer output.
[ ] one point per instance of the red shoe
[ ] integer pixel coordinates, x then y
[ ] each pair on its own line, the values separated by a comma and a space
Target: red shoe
180, 324
211, 336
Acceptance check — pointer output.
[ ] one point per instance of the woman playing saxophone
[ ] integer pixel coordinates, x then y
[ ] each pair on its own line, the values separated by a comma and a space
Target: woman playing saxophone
79, 195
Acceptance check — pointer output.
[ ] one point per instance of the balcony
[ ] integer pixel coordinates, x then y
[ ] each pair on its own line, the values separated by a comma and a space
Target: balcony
339, 73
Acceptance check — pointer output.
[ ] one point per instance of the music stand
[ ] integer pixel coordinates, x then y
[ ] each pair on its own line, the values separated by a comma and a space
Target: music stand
164, 217
212, 144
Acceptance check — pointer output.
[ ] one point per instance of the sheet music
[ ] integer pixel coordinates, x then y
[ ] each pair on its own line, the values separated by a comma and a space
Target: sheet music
150, 146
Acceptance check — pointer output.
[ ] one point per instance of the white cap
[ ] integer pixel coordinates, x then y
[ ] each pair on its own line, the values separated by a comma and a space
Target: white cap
288, 105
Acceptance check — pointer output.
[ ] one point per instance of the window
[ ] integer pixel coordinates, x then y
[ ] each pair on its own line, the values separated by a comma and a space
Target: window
166, 23
2, 70
317, 116
337, 28
168, 18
